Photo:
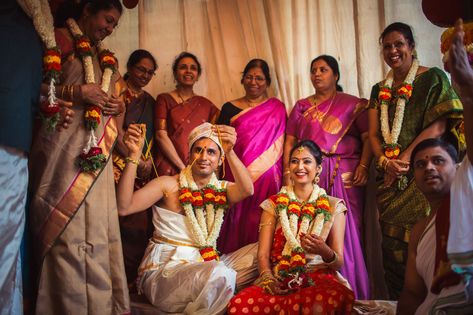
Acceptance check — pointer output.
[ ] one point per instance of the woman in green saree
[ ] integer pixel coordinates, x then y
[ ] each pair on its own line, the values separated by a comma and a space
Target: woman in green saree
413, 103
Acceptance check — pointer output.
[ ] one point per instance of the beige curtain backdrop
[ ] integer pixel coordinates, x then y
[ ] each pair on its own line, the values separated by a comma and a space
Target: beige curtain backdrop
226, 34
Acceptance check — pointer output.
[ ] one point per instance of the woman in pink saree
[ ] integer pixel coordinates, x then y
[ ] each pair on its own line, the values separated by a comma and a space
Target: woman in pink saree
338, 123
260, 123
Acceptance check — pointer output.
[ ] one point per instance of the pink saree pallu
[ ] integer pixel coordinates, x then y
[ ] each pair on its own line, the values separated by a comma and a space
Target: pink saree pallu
260, 141
336, 125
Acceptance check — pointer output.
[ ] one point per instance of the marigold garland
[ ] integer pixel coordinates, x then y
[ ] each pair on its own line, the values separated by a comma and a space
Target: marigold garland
446, 43
204, 210
91, 160
40, 13
296, 218
404, 92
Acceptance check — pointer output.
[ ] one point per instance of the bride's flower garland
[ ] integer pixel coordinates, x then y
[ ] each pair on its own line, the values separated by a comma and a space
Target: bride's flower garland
295, 219
391, 146
40, 13
92, 158
205, 224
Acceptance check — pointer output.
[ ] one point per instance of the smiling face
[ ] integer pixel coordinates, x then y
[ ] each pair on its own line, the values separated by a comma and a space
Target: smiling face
434, 170
254, 82
99, 25
187, 72
303, 166
322, 76
397, 51
141, 73
206, 155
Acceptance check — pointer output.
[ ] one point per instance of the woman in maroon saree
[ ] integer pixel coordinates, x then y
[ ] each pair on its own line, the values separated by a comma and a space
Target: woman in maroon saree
260, 123
178, 112
338, 123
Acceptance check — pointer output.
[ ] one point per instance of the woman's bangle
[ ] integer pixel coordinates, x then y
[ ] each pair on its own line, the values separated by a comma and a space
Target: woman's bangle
131, 160
333, 260
265, 271
71, 93
382, 162
363, 165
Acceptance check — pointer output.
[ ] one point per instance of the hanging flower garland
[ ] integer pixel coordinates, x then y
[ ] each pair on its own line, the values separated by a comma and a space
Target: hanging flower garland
204, 210
392, 149
40, 13
92, 158
295, 219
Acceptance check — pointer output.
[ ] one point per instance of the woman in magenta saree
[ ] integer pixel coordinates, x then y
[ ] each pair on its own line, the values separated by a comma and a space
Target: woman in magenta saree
339, 125
260, 124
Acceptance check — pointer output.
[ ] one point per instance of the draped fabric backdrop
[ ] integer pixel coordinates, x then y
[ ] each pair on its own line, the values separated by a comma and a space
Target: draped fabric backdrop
226, 34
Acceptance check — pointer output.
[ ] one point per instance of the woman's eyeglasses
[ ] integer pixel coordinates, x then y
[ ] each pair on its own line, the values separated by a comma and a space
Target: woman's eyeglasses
143, 70
258, 79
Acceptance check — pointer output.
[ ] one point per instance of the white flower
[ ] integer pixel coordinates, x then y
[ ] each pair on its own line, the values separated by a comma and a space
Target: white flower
205, 226
289, 225
392, 136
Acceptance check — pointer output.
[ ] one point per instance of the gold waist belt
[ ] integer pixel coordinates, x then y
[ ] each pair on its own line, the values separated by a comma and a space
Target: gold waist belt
162, 239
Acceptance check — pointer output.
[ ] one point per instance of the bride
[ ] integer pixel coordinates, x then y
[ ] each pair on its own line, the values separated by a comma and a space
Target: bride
300, 247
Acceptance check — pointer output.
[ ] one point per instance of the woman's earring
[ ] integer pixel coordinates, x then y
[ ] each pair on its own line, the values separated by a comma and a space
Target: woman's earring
316, 179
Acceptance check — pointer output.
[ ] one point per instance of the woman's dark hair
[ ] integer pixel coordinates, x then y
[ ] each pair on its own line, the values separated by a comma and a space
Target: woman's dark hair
74, 9
183, 55
136, 57
399, 27
333, 64
257, 63
433, 143
314, 149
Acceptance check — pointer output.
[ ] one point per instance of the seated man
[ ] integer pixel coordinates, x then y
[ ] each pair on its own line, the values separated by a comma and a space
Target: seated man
180, 271
428, 276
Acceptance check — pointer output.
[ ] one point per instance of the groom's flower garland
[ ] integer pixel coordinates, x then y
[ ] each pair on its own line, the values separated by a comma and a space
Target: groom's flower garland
206, 224
392, 149
295, 219
40, 13
92, 157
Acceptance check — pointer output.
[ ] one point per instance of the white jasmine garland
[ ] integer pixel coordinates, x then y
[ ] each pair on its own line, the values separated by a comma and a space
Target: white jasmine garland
89, 75
289, 225
205, 227
40, 12
392, 136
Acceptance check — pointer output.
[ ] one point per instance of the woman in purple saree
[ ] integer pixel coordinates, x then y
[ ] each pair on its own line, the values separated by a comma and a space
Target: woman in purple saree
338, 123
260, 123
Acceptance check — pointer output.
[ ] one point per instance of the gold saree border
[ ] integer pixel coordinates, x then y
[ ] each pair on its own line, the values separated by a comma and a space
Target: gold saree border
267, 159
60, 216
356, 112
243, 111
